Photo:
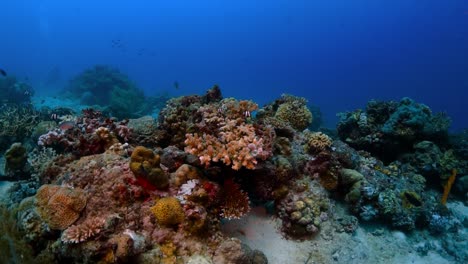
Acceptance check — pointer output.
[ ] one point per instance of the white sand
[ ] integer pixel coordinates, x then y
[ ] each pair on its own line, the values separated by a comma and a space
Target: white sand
260, 231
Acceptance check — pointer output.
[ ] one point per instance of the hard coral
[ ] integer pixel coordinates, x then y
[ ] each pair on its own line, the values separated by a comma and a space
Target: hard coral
60, 206
302, 214
168, 211
317, 141
145, 165
226, 135
82, 232
295, 113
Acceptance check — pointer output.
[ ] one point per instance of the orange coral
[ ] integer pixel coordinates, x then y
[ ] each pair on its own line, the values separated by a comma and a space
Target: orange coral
60, 206
228, 137
168, 211
448, 186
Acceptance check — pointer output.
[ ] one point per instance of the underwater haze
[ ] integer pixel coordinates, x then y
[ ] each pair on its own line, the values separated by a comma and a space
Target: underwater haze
338, 54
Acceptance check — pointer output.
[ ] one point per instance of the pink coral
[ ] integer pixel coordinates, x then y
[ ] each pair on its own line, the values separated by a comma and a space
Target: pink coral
92, 133
82, 232
228, 138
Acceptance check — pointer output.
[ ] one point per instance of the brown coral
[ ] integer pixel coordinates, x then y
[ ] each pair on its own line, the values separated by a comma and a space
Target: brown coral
317, 141
145, 164
168, 211
294, 112
60, 206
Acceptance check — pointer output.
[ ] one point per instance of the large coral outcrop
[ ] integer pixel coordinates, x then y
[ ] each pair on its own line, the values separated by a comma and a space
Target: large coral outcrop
388, 129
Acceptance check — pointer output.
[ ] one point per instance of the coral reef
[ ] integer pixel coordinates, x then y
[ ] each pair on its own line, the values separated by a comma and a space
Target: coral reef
91, 133
303, 213
13, 91
16, 123
287, 112
226, 136
167, 190
108, 87
388, 129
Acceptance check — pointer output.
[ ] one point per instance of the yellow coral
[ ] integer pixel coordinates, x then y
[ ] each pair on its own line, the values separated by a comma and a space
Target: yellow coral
141, 159
168, 211
144, 163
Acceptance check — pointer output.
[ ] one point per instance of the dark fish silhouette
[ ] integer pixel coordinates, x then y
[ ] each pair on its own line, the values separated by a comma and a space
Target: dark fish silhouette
176, 85
2, 72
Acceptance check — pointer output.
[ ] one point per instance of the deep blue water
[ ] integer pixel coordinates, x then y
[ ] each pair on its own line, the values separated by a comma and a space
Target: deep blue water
337, 53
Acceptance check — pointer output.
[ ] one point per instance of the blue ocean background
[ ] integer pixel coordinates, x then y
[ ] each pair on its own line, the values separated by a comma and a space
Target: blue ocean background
338, 54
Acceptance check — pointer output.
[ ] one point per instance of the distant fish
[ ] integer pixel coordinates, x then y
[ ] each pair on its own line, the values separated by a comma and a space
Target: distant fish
3, 73
64, 126
176, 85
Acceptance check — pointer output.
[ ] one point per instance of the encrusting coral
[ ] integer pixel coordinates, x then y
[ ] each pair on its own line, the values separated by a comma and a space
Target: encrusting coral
60, 206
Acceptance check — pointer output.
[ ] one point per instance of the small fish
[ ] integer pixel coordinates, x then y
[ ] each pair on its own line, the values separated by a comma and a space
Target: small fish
3, 73
176, 85
64, 126
54, 116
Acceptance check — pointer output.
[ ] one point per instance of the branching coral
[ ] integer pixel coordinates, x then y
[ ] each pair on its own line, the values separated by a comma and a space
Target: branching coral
82, 232
91, 133
226, 136
17, 120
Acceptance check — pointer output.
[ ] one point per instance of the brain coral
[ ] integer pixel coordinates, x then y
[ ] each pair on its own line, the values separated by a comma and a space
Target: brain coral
168, 211
59, 206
